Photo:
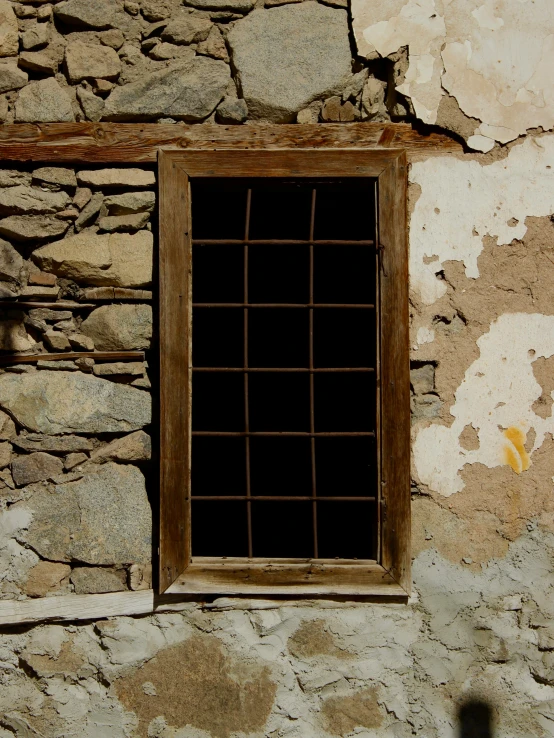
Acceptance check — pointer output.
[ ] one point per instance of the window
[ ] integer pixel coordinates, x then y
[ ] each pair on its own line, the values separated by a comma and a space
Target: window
284, 372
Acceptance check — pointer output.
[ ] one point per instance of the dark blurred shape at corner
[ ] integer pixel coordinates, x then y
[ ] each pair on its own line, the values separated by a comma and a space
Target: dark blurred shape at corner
475, 719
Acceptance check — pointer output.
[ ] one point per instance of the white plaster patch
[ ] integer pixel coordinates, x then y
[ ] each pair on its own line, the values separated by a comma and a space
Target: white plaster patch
496, 398
425, 335
495, 57
462, 201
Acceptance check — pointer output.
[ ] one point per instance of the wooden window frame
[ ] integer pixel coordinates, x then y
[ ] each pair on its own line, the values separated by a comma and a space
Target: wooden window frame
179, 573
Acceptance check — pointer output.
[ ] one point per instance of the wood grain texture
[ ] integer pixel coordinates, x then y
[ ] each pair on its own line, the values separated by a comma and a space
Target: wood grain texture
395, 372
175, 280
231, 577
140, 142
284, 163
70, 355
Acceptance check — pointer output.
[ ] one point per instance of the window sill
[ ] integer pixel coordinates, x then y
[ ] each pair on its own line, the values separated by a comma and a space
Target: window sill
321, 578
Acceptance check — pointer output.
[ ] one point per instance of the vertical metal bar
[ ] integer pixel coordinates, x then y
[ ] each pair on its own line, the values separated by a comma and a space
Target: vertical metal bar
377, 522
245, 362
312, 389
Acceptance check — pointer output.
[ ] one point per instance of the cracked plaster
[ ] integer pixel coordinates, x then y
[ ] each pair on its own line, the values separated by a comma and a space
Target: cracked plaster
495, 57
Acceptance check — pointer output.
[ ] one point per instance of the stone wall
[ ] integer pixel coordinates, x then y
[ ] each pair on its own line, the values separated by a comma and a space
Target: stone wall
74, 452
476, 640
203, 60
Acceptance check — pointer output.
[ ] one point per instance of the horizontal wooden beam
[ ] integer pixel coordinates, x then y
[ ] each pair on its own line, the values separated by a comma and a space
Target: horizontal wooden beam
140, 142
71, 355
234, 577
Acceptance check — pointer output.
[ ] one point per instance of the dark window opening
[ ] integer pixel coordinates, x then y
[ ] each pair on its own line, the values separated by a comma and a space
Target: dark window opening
284, 350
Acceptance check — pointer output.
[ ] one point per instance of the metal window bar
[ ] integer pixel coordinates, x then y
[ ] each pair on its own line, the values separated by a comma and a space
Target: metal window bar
246, 370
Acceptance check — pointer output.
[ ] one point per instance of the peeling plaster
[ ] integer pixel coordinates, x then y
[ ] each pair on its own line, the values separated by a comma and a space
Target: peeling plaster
463, 201
496, 398
494, 57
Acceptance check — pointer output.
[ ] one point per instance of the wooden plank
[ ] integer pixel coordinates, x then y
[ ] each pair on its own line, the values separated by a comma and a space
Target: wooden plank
284, 163
69, 355
140, 142
395, 373
60, 305
230, 577
175, 321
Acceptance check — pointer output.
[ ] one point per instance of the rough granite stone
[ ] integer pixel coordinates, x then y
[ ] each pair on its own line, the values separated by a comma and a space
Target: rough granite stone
56, 340
120, 260
5, 454
68, 402
131, 177
232, 110
45, 577
89, 211
97, 14
11, 263
55, 176
130, 202
11, 77
25, 200
93, 580
93, 106
134, 447
102, 519
184, 90
214, 45
32, 228
119, 368
36, 36
86, 61
288, 56
188, 29
119, 327
13, 336
39, 61
123, 223
45, 101
7, 427
35, 468
13, 177
9, 32
239, 6
54, 444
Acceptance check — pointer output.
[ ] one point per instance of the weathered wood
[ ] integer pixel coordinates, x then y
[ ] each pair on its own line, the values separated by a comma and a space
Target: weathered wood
140, 142
284, 163
390, 167
395, 372
60, 305
69, 355
242, 577
175, 275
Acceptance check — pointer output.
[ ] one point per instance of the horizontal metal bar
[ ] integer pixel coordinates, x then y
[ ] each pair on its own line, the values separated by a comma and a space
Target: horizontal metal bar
362, 306
277, 242
279, 434
277, 370
277, 498
70, 355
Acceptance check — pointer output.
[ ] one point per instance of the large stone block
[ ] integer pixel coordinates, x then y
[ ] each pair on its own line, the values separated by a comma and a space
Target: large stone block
119, 327
32, 228
11, 263
86, 61
118, 260
9, 34
102, 519
35, 468
185, 90
97, 14
288, 56
11, 77
45, 101
67, 402
31, 200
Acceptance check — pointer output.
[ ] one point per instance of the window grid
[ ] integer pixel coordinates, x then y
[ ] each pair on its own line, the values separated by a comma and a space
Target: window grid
312, 370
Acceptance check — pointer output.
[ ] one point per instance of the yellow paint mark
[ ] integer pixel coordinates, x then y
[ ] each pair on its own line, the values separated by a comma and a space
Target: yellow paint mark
514, 452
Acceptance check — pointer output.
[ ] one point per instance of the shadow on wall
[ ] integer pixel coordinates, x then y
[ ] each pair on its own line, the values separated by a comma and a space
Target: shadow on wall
475, 719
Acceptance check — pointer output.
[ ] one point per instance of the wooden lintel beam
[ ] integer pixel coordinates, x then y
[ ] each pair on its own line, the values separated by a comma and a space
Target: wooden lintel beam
140, 142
